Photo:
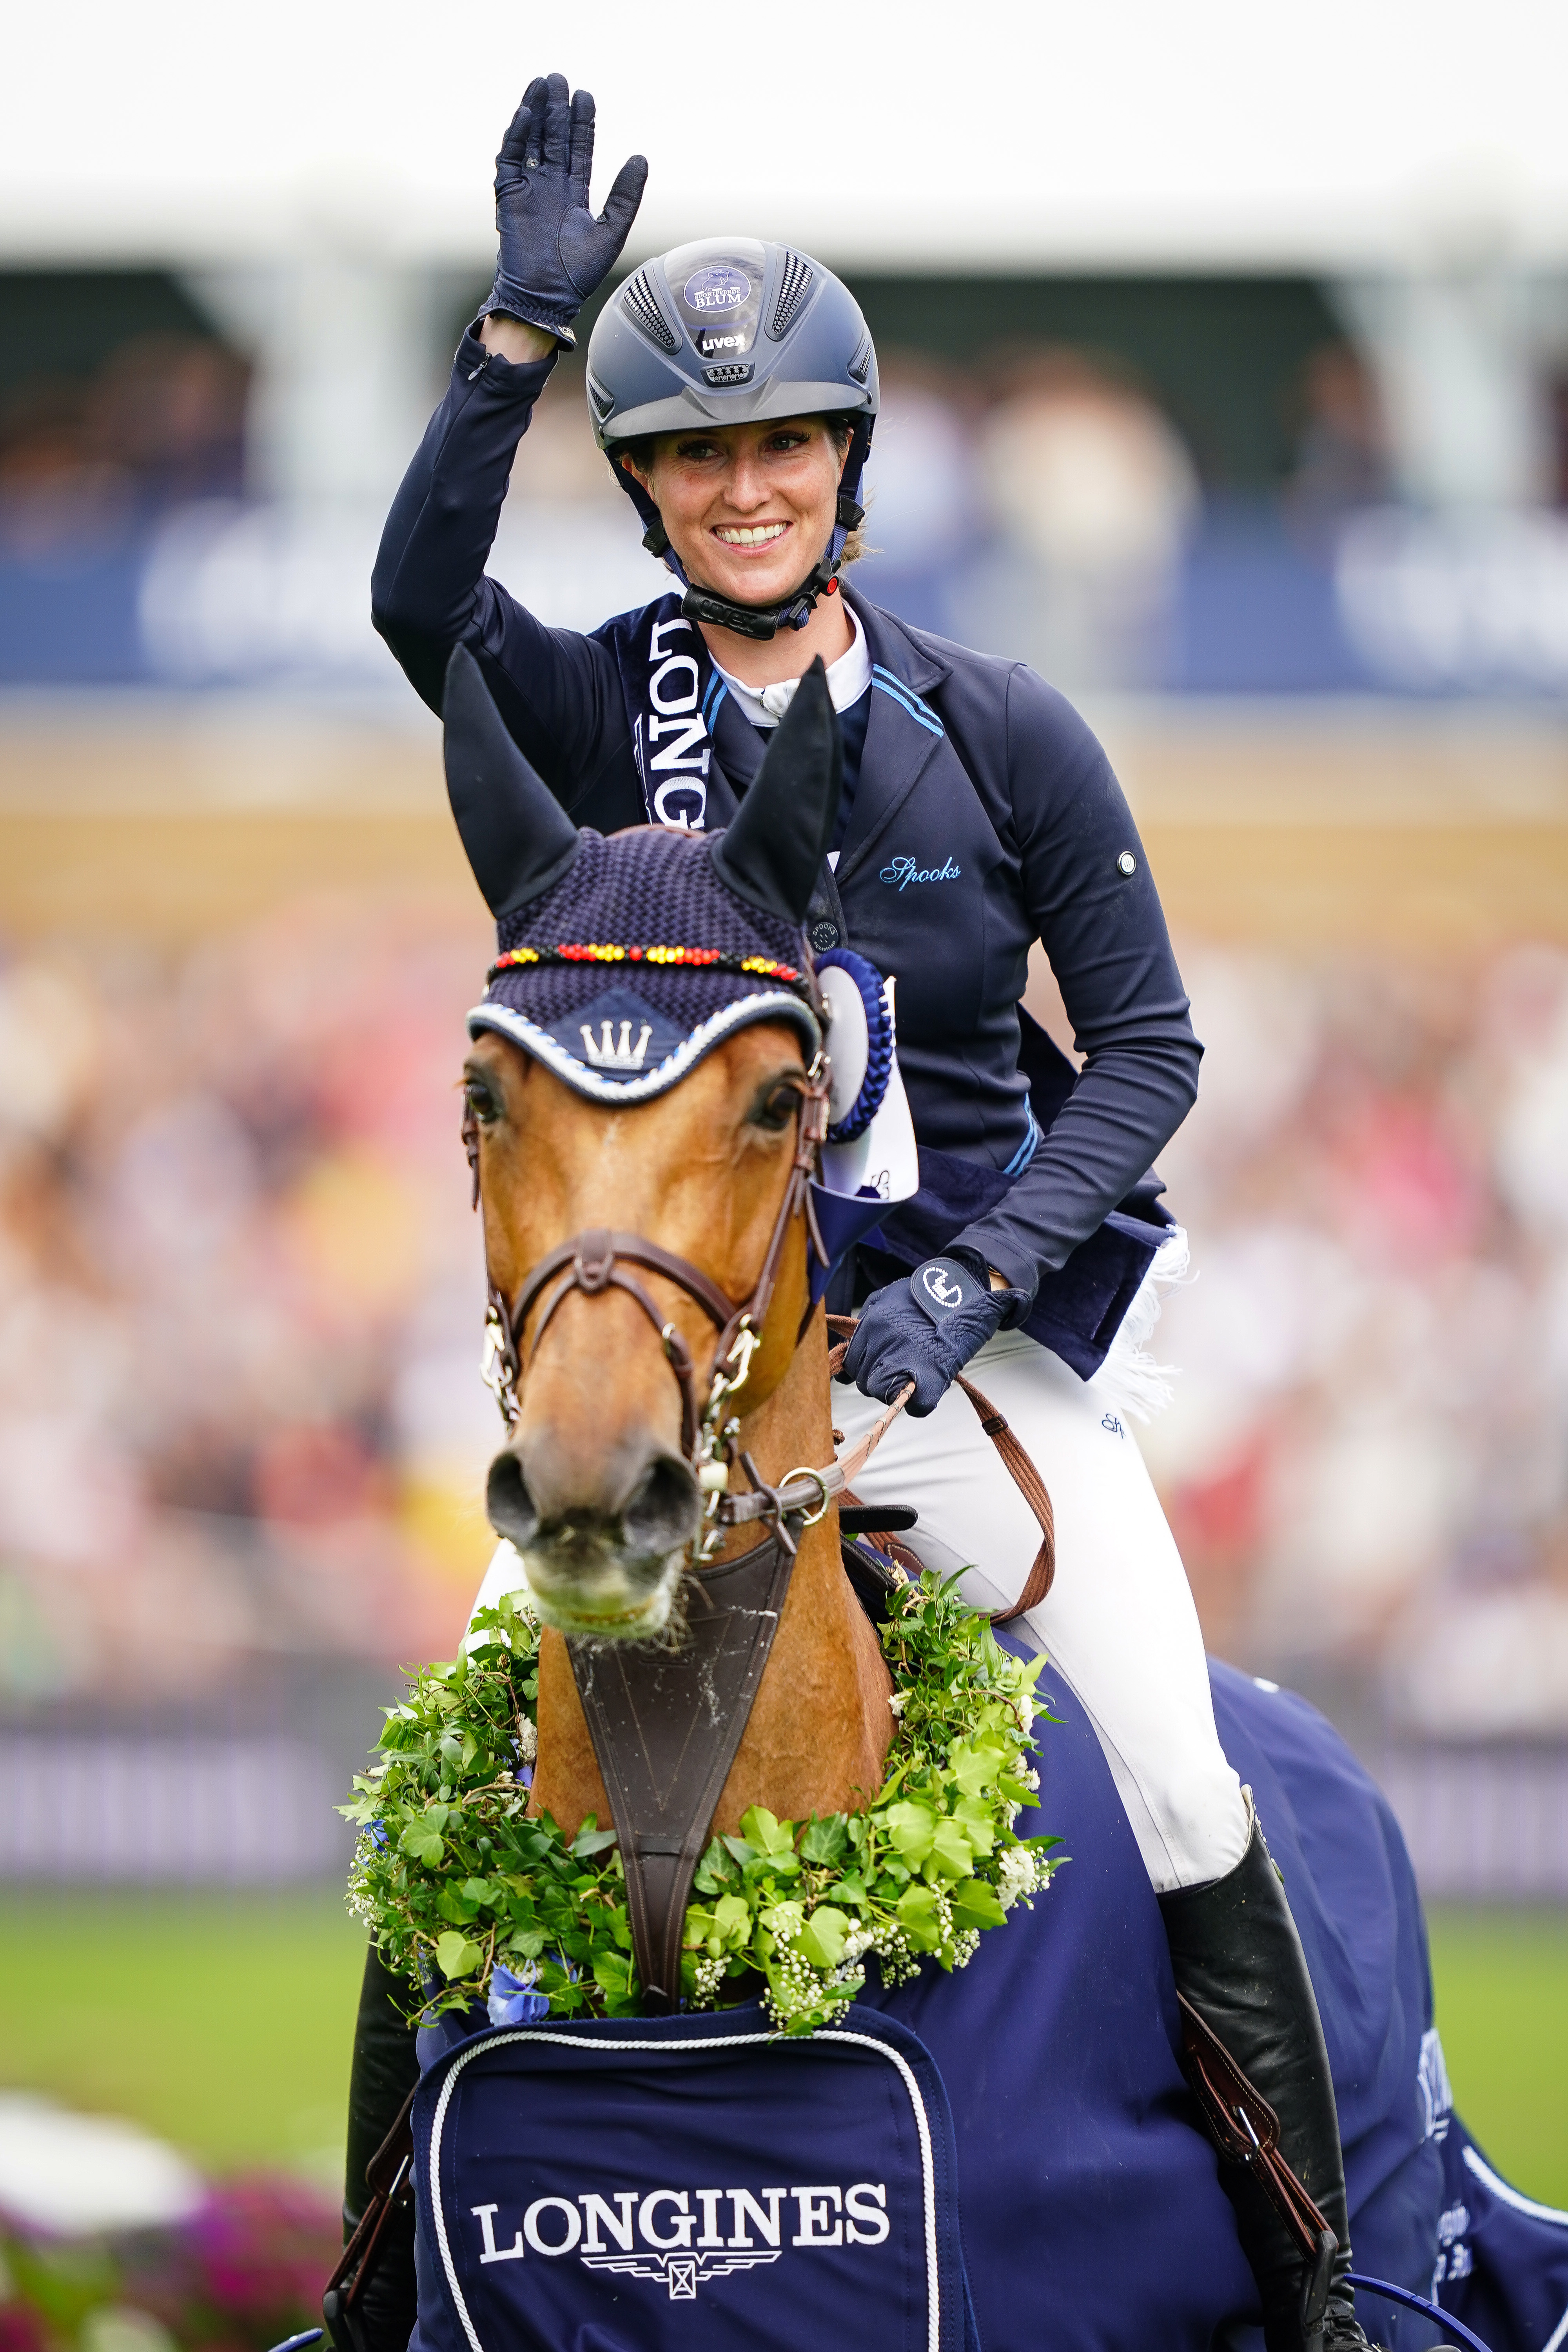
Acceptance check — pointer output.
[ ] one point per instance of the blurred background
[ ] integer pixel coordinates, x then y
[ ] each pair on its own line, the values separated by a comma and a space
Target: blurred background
1225, 379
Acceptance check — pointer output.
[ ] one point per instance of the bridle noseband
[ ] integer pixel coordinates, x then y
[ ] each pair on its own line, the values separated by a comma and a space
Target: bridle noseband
600, 1260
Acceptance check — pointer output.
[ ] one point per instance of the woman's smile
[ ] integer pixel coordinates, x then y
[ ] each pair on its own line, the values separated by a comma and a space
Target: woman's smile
753, 534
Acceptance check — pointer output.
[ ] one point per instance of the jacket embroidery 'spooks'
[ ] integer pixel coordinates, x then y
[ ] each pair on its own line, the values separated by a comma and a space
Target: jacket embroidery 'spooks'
902, 871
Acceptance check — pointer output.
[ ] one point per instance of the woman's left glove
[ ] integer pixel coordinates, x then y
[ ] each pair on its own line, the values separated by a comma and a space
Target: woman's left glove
924, 1329
553, 253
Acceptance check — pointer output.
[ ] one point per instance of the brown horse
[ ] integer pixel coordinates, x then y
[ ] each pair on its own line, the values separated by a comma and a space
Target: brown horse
701, 1172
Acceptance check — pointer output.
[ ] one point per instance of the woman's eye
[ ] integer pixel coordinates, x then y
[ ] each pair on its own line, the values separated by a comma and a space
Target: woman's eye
777, 1108
480, 1101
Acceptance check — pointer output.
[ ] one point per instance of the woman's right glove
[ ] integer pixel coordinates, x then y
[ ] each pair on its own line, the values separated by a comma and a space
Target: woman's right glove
553, 253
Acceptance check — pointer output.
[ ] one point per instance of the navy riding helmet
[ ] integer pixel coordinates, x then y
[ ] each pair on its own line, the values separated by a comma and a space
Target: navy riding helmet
731, 331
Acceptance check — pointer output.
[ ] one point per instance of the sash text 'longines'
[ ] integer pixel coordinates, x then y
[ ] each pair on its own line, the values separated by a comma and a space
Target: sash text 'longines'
671, 2220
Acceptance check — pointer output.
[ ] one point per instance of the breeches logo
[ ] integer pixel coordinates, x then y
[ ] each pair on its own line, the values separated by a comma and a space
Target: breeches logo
683, 2238
901, 871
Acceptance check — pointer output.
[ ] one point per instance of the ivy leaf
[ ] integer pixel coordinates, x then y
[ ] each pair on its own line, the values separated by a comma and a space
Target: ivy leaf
423, 1843
767, 1835
979, 1824
950, 1855
912, 1828
825, 1841
974, 1905
456, 1955
917, 1916
822, 1938
975, 1763
452, 1903
733, 1921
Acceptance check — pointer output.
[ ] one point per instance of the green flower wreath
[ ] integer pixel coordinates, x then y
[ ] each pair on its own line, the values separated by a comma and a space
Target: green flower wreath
455, 1879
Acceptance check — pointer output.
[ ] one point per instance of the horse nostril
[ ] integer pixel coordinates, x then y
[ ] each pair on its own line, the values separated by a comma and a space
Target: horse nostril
663, 1509
508, 1506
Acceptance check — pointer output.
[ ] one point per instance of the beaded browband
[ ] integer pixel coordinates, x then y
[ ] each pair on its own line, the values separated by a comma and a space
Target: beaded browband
755, 967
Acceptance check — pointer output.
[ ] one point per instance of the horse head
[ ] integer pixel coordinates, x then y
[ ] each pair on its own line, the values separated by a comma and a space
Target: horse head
643, 1094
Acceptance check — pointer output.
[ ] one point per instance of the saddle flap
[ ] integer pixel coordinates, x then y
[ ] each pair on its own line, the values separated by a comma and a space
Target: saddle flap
689, 2184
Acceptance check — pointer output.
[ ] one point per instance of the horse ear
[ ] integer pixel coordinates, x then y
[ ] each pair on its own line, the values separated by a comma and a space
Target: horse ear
772, 851
519, 838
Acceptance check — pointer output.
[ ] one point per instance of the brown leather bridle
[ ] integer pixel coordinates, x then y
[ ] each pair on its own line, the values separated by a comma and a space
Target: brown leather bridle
601, 1259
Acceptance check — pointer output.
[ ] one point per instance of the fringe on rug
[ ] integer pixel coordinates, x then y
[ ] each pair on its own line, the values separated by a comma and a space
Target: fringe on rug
1129, 1377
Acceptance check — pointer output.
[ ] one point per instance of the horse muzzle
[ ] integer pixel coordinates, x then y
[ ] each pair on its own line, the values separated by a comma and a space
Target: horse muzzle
599, 1565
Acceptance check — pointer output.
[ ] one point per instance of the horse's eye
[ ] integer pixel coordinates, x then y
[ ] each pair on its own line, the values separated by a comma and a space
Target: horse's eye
776, 1108
480, 1100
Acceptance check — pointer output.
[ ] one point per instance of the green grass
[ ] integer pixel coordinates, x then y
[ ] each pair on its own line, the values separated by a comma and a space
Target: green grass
224, 2023
1502, 1983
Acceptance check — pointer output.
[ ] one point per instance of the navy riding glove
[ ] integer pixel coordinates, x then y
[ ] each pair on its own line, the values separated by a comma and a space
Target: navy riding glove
925, 1330
553, 253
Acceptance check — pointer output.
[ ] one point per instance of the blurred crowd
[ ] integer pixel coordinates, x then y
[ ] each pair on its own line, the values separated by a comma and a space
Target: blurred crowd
88, 456
1366, 1462
239, 1306
240, 1299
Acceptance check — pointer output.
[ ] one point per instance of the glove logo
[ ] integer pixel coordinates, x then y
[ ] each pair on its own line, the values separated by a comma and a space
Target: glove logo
940, 1287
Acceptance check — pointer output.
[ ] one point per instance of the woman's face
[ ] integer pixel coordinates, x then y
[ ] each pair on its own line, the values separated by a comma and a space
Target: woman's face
749, 508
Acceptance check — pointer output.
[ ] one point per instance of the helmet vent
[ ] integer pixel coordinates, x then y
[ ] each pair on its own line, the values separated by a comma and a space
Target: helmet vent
794, 288
640, 304
860, 365
603, 401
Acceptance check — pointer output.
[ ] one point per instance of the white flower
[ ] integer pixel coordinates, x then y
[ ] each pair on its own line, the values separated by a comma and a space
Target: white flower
1015, 1875
527, 1740
897, 1701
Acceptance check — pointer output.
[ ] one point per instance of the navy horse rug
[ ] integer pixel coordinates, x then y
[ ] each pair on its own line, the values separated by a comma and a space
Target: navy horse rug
1008, 2157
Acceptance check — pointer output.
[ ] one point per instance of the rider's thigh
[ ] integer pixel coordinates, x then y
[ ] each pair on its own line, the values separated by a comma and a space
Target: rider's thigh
1119, 1622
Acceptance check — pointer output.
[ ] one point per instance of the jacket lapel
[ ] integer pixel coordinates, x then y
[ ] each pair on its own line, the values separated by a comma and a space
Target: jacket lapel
901, 735
738, 752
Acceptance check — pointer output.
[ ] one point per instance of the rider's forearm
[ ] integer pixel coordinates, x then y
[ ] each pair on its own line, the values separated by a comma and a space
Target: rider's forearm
1128, 1103
515, 340
428, 581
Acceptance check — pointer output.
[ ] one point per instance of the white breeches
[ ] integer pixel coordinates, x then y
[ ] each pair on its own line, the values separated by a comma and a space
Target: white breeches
1119, 1624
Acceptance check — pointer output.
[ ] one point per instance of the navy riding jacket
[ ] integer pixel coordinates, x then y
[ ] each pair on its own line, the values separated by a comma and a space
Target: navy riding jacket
984, 817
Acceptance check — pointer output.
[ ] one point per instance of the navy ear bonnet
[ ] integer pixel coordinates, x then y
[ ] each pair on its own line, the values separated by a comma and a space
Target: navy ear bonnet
635, 964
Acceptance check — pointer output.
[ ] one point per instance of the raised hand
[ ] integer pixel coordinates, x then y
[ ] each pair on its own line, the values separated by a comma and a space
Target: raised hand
554, 250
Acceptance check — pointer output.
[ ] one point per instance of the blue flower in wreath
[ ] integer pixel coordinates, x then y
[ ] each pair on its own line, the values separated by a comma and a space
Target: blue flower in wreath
512, 2001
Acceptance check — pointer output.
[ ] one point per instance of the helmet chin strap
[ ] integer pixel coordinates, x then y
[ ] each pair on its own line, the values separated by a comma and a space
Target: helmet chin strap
762, 621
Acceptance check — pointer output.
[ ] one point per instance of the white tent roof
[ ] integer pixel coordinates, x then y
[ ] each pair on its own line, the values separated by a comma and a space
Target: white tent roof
911, 133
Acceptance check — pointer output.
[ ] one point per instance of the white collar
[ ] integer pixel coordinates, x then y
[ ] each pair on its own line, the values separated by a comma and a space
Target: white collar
847, 679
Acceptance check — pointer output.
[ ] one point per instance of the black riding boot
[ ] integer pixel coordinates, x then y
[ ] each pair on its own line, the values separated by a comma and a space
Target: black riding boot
1238, 1960
386, 2069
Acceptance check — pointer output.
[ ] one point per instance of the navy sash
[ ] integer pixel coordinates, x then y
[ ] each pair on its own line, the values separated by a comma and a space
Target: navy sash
689, 2184
672, 691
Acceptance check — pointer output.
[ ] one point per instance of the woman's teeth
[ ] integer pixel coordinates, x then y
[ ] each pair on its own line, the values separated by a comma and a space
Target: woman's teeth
750, 535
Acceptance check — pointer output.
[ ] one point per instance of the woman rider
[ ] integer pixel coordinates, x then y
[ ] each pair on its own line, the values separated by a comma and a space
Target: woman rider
732, 384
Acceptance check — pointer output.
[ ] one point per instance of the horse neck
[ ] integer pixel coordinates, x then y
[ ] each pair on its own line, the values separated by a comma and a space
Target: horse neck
820, 1727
